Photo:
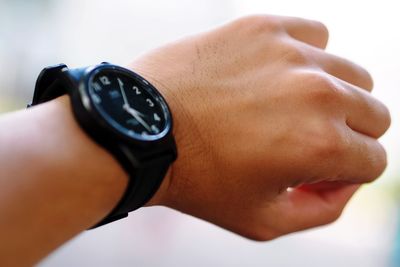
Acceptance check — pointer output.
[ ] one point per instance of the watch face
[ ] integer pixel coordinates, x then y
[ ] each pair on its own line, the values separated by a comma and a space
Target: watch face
129, 104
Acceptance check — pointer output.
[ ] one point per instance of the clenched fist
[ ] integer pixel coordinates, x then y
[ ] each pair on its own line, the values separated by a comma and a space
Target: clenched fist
274, 134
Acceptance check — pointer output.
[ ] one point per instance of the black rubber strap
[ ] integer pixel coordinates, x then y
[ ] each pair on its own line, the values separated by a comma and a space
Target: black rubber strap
147, 177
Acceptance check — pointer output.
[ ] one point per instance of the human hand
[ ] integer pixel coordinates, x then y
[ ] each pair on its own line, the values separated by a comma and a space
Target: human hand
274, 134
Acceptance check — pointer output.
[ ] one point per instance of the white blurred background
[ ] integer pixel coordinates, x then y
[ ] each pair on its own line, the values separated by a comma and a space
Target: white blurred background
34, 34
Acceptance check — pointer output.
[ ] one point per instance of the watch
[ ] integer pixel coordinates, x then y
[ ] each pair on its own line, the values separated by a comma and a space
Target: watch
122, 112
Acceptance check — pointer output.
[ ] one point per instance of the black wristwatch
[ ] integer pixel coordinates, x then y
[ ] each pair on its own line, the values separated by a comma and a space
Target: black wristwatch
123, 113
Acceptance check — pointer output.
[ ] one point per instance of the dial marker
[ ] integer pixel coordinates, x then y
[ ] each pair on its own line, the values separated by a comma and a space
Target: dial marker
104, 80
155, 129
96, 86
151, 104
136, 89
156, 117
96, 98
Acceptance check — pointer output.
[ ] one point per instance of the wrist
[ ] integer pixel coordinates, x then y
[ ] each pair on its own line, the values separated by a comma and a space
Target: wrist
55, 181
161, 195
175, 84
96, 180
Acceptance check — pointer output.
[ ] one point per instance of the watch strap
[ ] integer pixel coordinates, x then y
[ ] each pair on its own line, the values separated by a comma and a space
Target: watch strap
145, 174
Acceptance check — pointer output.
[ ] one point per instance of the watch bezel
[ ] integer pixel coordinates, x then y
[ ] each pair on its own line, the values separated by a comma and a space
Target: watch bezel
105, 119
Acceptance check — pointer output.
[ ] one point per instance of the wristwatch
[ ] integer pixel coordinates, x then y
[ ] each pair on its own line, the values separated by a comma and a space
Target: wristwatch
122, 112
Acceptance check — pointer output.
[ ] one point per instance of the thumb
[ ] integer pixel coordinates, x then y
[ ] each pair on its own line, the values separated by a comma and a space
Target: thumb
313, 205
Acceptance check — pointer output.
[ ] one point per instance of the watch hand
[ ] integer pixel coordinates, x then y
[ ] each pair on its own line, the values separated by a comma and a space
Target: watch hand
136, 115
121, 88
132, 110
126, 103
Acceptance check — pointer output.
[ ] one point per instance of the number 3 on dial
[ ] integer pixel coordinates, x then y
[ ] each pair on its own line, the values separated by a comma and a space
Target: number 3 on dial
151, 104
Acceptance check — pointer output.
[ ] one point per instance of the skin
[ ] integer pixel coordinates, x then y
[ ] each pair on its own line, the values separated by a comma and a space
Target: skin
274, 136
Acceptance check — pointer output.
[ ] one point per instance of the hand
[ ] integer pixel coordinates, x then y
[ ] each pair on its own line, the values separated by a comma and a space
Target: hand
136, 114
260, 108
121, 88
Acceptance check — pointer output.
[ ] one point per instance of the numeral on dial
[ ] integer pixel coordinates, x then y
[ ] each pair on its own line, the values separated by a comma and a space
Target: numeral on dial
97, 87
151, 104
104, 80
136, 89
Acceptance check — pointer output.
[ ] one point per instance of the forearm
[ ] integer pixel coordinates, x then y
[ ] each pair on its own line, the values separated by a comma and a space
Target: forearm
54, 182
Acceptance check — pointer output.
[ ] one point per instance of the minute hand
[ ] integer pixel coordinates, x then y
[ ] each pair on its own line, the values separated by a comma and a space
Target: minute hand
121, 88
126, 103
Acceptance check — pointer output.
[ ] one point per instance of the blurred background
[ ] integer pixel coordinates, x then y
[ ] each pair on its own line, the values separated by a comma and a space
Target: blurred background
37, 33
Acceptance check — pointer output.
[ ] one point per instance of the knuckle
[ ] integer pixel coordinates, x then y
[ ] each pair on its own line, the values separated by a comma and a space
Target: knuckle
322, 89
260, 23
295, 55
317, 30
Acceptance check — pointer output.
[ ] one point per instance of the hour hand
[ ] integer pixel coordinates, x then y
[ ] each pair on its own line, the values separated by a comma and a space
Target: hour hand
131, 110
137, 115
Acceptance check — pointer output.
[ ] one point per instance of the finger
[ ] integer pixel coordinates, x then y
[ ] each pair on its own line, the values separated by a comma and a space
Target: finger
308, 31
343, 69
324, 188
365, 114
313, 205
345, 156
363, 161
